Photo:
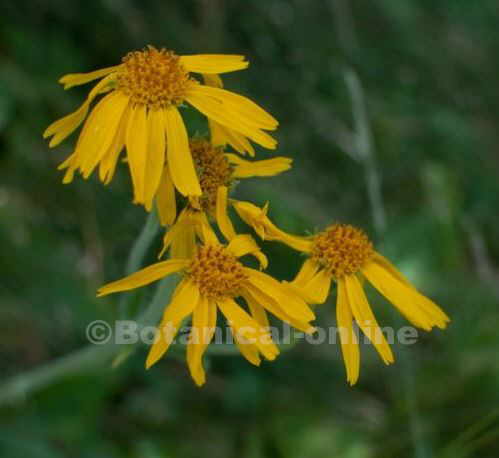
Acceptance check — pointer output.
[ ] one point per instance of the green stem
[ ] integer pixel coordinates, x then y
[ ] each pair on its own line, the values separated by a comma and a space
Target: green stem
90, 357
93, 356
136, 256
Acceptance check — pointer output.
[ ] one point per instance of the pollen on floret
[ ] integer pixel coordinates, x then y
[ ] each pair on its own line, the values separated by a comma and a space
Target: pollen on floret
341, 250
213, 170
216, 272
153, 77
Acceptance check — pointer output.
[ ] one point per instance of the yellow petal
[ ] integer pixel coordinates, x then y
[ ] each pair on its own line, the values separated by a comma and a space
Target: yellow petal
212, 80
180, 160
292, 304
109, 160
215, 110
76, 79
155, 155
182, 236
63, 127
165, 199
317, 288
203, 229
244, 244
307, 271
365, 318
265, 168
266, 229
184, 301
248, 350
418, 309
136, 145
257, 311
100, 131
387, 265
258, 298
69, 164
221, 135
247, 329
348, 337
223, 221
204, 320
144, 276
213, 63
240, 106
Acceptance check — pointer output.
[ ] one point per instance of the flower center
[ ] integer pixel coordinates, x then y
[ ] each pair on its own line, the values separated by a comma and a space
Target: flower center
154, 78
342, 249
217, 273
213, 170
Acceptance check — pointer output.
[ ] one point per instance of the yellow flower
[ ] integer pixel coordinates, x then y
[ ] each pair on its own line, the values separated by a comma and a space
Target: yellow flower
344, 254
212, 279
192, 226
214, 168
140, 111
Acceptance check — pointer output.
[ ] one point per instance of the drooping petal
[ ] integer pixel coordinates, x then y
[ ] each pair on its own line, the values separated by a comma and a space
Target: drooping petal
155, 155
348, 337
64, 127
76, 79
364, 317
109, 160
293, 305
244, 244
248, 350
165, 199
204, 320
100, 131
257, 218
216, 110
221, 136
184, 301
307, 271
241, 107
213, 63
136, 145
418, 309
256, 297
223, 221
144, 277
247, 329
317, 288
265, 168
179, 155
71, 165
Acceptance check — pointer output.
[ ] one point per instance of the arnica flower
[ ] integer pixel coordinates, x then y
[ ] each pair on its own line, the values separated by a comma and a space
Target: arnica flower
214, 167
141, 112
192, 226
344, 254
212, 279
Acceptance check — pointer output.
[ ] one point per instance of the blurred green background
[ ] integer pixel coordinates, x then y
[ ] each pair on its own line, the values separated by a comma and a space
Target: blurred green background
427, 73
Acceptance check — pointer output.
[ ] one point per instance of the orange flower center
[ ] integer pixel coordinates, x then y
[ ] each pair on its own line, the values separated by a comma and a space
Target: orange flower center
213, 170
217, 273
154, 78
342, 250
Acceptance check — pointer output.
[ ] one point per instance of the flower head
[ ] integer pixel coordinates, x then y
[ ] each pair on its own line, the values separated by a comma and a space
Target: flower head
140, 111
344, 254
215, 168
212, 279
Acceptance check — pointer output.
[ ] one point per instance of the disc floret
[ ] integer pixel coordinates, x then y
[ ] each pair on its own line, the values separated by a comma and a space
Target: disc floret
342, 250
217, 272
153, 77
